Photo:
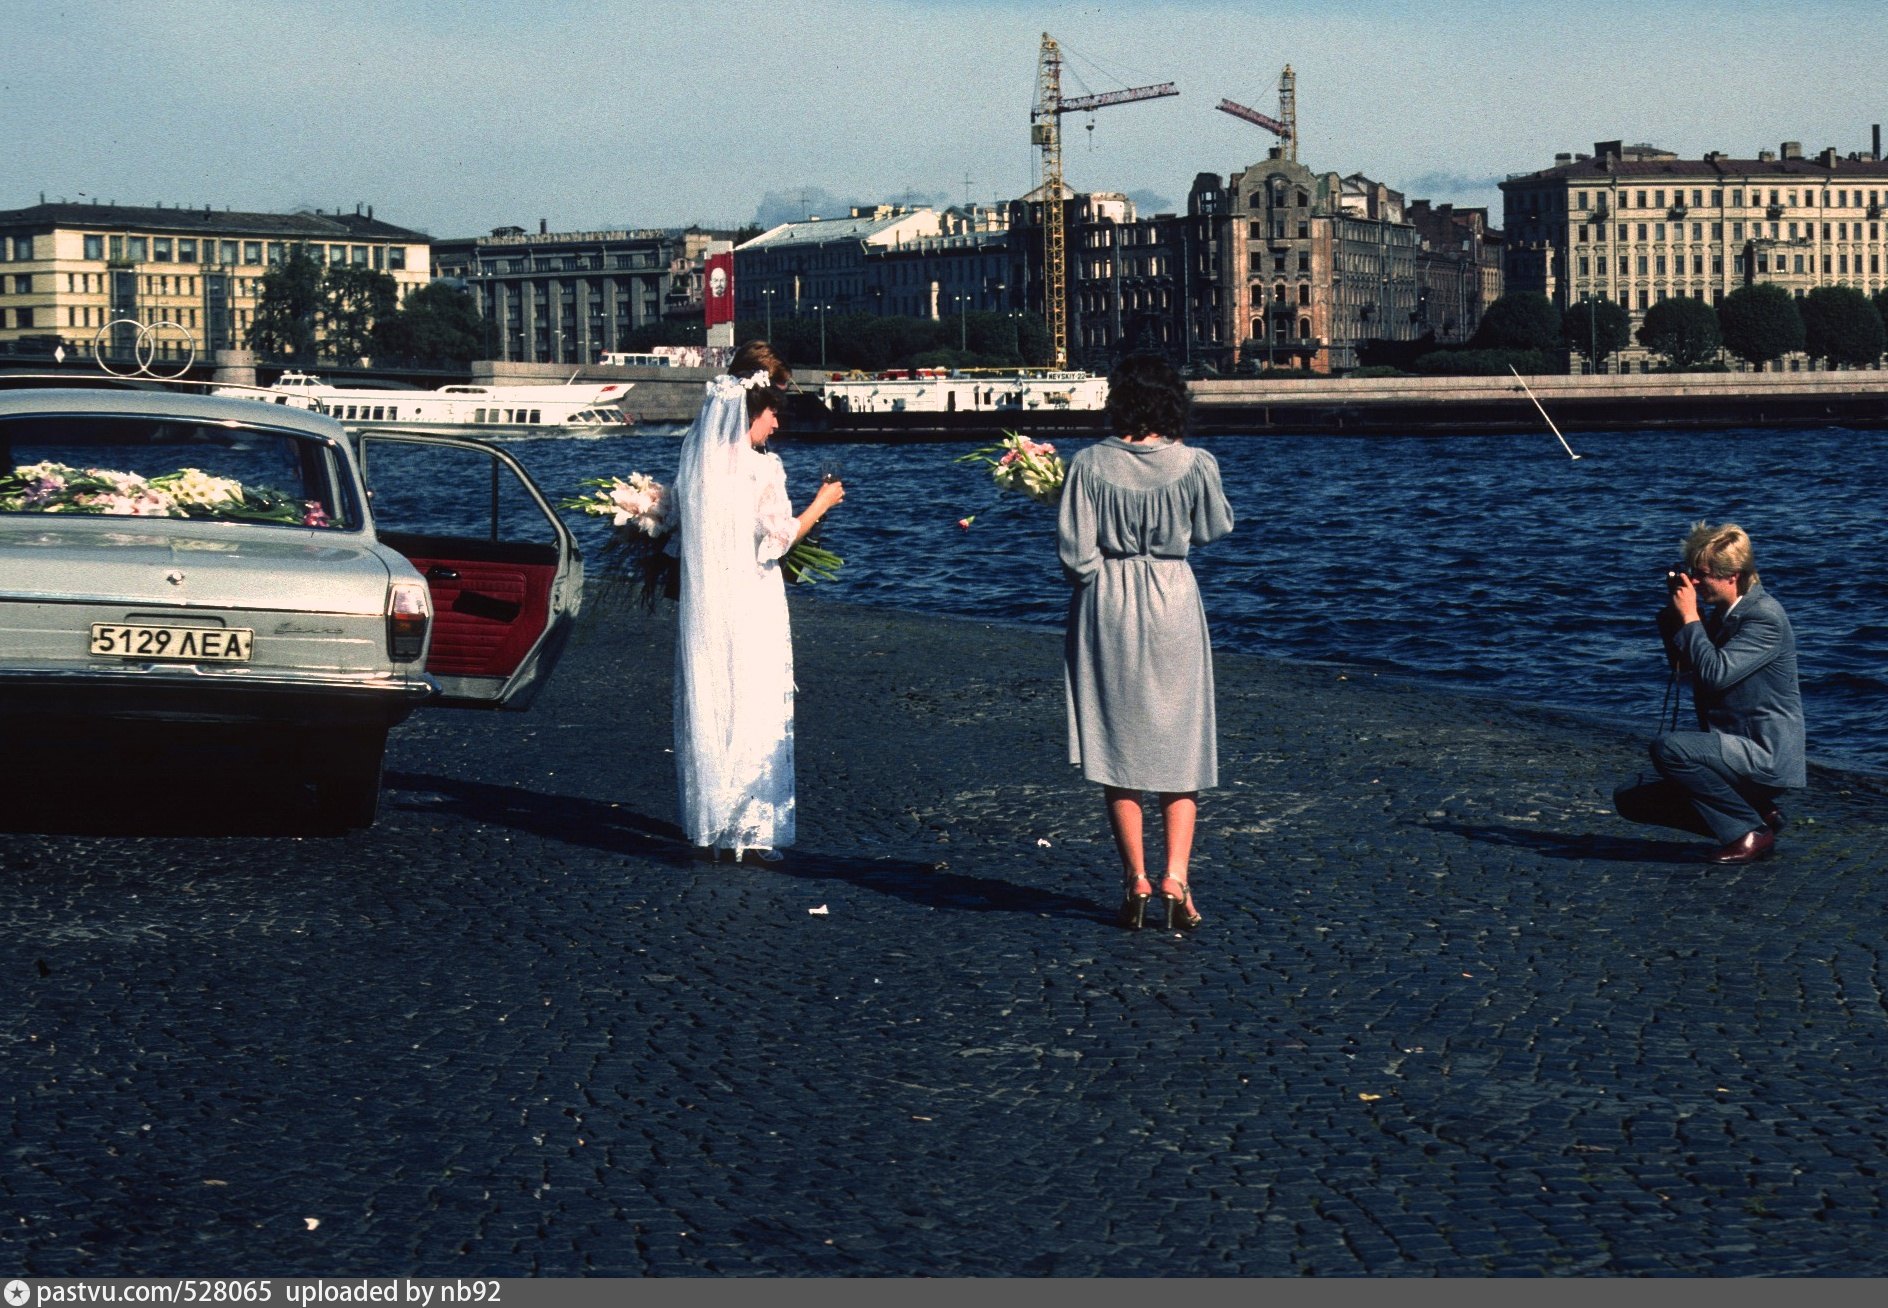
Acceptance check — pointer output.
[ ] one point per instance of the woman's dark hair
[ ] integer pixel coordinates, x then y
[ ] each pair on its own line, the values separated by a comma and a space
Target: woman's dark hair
759, 356
1147, 398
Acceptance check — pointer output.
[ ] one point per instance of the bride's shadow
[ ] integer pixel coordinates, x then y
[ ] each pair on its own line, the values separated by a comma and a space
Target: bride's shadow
927, 884
616, 829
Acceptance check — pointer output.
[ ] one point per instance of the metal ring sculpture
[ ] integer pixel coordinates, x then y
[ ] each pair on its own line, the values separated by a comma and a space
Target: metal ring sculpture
144, 353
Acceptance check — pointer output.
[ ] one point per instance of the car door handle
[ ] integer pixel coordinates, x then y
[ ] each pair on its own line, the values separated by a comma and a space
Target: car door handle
440, 572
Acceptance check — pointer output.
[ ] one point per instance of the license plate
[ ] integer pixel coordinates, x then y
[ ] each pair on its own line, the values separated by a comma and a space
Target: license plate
189, 644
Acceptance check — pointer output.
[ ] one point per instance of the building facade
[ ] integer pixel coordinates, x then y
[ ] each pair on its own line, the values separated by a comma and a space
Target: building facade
1311, 268
1458, 269
569, 297
187, 280
1637, 225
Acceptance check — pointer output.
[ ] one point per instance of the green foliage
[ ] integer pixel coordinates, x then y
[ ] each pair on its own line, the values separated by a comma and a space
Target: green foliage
1760, 323
1482, 363
1377, 370
439, 323
1519, 320
1597, 329
287, 304
1684, 330
353, 299
1842, 325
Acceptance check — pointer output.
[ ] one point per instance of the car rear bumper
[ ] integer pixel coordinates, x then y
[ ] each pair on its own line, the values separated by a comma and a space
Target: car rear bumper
147, 692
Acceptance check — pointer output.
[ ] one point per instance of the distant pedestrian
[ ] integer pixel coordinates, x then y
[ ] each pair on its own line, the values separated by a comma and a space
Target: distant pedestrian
733, 646
1734, 642
1138, 659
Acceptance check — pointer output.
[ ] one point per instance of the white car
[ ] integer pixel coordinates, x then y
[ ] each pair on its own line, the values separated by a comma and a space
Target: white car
202, 563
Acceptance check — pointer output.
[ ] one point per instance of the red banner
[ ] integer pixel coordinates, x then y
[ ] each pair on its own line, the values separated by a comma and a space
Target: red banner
718, 292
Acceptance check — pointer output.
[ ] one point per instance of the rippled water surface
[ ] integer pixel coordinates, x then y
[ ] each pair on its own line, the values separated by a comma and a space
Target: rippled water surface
1489, 563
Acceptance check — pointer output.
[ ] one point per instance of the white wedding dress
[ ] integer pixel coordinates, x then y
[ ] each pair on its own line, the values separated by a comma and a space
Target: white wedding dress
734, 648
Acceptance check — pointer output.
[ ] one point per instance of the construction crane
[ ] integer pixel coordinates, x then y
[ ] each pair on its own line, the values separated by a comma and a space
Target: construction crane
1285, 126
1046, 131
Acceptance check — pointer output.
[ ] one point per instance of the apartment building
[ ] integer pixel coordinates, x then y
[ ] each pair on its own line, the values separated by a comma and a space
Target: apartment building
186, 278
1636, 224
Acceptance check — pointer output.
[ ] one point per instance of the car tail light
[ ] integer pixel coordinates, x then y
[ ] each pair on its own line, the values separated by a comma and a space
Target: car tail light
409, 614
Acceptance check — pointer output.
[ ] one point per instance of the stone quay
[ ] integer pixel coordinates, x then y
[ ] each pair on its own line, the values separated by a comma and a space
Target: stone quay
1448, 1015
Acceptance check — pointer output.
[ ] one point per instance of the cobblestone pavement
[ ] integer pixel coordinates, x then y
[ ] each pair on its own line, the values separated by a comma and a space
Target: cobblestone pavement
1447, 1014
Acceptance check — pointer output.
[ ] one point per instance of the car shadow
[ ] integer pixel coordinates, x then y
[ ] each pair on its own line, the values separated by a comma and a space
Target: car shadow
156, 793
618, 829
1575, 846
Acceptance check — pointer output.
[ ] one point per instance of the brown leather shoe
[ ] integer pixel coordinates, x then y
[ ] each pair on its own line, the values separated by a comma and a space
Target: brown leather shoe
1774, 819
1747, 848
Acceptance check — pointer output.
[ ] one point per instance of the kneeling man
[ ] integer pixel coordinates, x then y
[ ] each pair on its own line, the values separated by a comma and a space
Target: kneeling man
1739, 654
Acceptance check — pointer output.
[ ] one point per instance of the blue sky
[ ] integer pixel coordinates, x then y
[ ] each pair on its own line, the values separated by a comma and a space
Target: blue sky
457, 117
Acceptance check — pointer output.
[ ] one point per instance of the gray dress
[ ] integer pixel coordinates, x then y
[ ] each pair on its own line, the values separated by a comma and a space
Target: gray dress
1138, 662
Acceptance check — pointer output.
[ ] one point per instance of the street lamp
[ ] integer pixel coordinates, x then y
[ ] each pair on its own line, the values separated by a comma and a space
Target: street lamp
963, 323
767, 298
820, 309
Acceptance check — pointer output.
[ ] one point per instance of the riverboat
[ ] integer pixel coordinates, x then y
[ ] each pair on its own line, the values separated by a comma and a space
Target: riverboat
572, 409
936, 390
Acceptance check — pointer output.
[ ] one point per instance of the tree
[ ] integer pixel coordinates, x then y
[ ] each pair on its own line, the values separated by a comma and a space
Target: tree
1598, 329
1760, 323
1519, 320
1842, 325
354, 298
439, 323
287, 303
1682, 329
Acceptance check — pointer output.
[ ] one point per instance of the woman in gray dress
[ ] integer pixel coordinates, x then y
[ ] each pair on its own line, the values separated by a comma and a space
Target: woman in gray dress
1139, 664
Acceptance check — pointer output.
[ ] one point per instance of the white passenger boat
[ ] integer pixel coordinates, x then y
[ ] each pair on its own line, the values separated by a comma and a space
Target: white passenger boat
995, 394
578, 408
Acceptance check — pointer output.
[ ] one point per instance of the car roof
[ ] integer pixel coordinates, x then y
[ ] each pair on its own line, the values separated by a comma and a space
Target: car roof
57, 400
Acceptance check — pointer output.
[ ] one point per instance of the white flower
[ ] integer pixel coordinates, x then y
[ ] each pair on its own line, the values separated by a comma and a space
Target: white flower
756, 379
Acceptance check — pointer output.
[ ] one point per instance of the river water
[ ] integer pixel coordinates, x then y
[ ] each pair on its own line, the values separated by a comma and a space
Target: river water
1487, 564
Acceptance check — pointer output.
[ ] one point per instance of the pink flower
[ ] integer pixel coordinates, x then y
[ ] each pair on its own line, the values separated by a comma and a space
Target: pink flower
965, 522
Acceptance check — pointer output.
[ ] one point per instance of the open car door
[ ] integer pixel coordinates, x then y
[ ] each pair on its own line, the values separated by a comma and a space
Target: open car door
505, 572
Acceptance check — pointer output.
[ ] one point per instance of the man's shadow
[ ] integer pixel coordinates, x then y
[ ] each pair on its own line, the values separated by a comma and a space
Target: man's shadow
1575, 847
616, 829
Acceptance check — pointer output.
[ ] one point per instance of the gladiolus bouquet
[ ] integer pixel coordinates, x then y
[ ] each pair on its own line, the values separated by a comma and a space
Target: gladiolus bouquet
641, 547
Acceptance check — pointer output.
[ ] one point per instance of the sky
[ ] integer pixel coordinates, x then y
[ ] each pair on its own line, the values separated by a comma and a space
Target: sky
455, 118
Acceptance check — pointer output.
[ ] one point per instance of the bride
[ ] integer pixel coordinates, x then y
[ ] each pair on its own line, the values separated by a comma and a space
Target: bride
733, 648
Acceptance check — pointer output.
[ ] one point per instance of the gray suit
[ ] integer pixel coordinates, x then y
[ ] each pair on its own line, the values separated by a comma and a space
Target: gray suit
1722, 779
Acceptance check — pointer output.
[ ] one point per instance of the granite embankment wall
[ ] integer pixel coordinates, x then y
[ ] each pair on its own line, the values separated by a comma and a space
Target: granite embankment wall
1387, 405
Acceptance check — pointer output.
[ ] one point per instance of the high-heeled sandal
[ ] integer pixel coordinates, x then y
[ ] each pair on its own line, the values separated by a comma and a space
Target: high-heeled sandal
1181, 915
1134, 906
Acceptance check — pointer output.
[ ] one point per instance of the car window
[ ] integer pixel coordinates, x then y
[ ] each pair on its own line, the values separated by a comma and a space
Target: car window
448, 490
169, 468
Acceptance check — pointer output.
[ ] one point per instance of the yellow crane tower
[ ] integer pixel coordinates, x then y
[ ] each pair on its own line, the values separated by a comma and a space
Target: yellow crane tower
1285, 126
1046, 131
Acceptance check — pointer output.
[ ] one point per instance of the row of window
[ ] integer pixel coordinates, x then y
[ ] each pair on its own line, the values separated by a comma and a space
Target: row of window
1841, 231
187, 249
561, 263
1832, 265
1837, 199
1281, 327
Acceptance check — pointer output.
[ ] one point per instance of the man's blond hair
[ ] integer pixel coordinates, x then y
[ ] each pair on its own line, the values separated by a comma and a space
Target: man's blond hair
1722, 551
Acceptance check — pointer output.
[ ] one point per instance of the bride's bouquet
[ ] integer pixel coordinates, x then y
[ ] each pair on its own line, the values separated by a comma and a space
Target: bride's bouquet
642, 517
641, 548
1016, 463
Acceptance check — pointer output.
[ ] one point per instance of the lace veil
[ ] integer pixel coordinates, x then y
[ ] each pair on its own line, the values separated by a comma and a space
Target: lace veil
715, 508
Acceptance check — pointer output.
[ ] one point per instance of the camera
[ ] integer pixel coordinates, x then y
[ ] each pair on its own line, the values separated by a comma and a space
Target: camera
1671, 581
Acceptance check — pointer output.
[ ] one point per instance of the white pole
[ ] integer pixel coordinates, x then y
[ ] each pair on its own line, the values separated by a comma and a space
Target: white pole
1549, 421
